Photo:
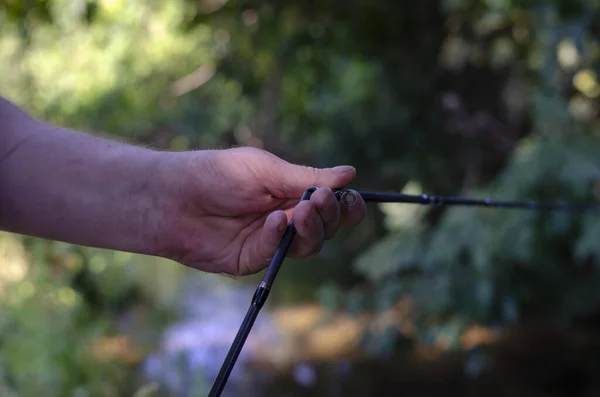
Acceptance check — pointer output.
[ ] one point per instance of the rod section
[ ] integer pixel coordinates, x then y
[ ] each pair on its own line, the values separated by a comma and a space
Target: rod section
350, 197
258, 300
425, 199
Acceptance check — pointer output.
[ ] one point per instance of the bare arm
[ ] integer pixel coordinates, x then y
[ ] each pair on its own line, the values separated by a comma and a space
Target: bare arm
68, 186
217, 211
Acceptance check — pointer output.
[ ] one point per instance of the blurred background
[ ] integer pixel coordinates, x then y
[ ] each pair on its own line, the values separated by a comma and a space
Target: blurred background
485, 98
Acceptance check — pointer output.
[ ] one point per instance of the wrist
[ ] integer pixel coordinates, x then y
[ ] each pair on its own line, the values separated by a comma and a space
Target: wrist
128, 198
177, 177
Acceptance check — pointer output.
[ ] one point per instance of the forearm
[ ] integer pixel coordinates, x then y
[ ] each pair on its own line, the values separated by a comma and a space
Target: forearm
68, 186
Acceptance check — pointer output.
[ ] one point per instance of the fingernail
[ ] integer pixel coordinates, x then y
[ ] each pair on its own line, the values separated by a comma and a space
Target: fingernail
342, 169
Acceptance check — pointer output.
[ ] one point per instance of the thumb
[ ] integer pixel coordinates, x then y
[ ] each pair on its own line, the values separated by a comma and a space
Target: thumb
297, 178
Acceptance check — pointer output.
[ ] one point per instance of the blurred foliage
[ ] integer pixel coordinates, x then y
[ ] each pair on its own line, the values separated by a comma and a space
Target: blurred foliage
496, 267
494, 98
76, 320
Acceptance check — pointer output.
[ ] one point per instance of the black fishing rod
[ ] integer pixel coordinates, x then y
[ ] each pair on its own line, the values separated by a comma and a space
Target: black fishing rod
349, 198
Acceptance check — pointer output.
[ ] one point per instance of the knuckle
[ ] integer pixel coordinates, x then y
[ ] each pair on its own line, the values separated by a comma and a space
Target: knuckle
311, 219
312, 171
305, 223
328, 207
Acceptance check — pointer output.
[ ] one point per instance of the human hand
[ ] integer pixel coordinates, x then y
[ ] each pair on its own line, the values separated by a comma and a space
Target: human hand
225, 211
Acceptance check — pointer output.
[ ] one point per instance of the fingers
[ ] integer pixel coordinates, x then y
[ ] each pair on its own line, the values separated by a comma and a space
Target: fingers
263, 243
328, 209
315, 220
294, 179
310, 230
319, 218
272, 232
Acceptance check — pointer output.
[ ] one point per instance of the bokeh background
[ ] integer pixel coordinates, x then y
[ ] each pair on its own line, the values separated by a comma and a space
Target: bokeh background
487, 98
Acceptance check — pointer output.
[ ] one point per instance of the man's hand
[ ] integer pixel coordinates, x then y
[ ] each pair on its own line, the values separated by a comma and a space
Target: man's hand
220, 211
225, 211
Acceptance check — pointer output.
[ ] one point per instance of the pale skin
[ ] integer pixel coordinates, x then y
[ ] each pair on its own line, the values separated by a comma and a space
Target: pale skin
219, 211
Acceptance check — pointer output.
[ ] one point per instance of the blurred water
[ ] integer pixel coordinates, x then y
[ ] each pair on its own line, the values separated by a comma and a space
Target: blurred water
193, 349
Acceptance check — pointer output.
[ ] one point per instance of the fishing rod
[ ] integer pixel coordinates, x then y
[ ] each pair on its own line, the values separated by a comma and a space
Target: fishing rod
349, 198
